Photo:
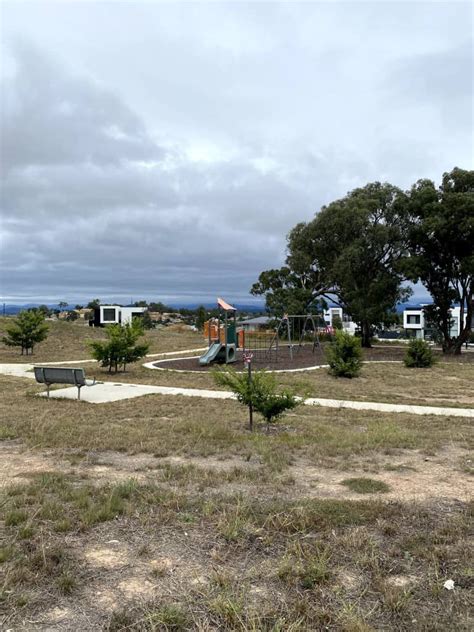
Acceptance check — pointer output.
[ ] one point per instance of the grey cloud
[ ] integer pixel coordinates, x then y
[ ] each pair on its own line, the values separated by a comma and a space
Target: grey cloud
436, 77
50, 118
160, 152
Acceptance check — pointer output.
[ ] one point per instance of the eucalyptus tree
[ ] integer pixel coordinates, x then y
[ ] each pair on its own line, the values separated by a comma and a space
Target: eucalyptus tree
352, 253
441, 243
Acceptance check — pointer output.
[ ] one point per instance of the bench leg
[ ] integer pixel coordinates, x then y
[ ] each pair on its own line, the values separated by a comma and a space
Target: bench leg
47, 389
78, 392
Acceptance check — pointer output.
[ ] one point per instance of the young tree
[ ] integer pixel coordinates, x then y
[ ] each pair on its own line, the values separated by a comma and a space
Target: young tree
121, 348
146, 320
201, 317
26, 331
337, 322
344, 355
441, 243
350, 251
418, 354
43, 309
93, 304
257, 391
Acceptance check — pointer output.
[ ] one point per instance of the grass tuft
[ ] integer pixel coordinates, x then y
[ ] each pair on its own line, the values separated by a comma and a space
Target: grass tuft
364, 485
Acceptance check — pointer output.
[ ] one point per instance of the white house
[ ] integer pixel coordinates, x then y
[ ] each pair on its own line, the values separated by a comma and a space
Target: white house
112, 314
337, 312
415, 322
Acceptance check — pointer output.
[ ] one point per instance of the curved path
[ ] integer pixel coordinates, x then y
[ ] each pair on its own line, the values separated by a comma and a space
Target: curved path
104, 392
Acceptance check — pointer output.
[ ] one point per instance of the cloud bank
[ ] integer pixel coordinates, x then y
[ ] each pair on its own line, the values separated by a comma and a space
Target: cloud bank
164, 151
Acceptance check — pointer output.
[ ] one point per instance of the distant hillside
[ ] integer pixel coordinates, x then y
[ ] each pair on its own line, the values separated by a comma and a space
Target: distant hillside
11, 309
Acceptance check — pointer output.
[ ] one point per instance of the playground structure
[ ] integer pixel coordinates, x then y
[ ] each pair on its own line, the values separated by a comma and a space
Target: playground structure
222, 336
291, 332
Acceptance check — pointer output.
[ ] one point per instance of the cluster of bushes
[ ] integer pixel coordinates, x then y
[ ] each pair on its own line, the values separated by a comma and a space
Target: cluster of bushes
344, 355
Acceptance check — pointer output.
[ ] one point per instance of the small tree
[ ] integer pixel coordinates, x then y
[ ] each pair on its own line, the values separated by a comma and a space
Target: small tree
337, 322
146, 320
418, 354
344, 355
26, 331
201, 317
258, 392
121, 348
43, 309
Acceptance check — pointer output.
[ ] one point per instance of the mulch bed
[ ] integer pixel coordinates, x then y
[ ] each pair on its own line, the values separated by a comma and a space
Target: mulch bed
303, 357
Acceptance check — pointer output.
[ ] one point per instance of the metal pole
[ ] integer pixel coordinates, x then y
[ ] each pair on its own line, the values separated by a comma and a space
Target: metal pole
225, 335
250, 405
289, 338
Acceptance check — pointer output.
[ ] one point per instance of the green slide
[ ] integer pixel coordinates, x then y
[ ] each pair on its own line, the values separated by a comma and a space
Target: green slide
212, 354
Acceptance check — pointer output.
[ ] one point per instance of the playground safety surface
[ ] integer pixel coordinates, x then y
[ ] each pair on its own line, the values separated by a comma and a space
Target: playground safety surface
303, 358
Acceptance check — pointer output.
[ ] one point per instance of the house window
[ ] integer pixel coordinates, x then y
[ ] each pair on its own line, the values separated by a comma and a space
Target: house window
108, 314
413, 319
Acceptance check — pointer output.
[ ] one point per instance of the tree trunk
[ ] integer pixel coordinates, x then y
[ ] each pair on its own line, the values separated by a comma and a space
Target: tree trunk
366, 334
453, 347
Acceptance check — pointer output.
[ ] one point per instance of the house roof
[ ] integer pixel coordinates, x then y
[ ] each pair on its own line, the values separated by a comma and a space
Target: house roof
258, 320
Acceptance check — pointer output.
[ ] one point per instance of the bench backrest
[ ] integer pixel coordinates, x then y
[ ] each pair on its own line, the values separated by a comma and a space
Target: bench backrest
59, 375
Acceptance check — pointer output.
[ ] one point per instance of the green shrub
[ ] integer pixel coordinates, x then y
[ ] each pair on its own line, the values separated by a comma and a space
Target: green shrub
121, 348
337, 322
258, 392
418, 354
344, 355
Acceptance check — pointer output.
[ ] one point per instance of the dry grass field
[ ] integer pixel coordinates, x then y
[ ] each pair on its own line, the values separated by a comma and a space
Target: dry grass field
165, 513
68, 341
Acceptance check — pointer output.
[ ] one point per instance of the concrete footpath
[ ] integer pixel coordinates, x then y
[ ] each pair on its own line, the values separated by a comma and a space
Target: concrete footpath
105, 392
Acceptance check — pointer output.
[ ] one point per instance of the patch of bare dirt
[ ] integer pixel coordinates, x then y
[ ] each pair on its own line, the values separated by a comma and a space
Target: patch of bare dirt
16, 462
411, 475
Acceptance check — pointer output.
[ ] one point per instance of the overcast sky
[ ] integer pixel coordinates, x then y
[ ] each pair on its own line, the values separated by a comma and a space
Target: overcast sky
163, 150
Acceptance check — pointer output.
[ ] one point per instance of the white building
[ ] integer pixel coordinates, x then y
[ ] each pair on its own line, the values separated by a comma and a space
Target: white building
113, 314
415, 322
337, 312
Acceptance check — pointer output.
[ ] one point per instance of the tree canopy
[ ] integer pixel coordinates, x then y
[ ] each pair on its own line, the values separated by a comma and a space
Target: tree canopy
350, 253
26, 331
441, 244
121, 348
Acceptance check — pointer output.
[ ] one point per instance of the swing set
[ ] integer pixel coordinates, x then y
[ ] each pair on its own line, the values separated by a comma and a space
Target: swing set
291, 331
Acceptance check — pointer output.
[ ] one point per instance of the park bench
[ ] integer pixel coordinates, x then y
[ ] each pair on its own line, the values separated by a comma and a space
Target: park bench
62, 375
